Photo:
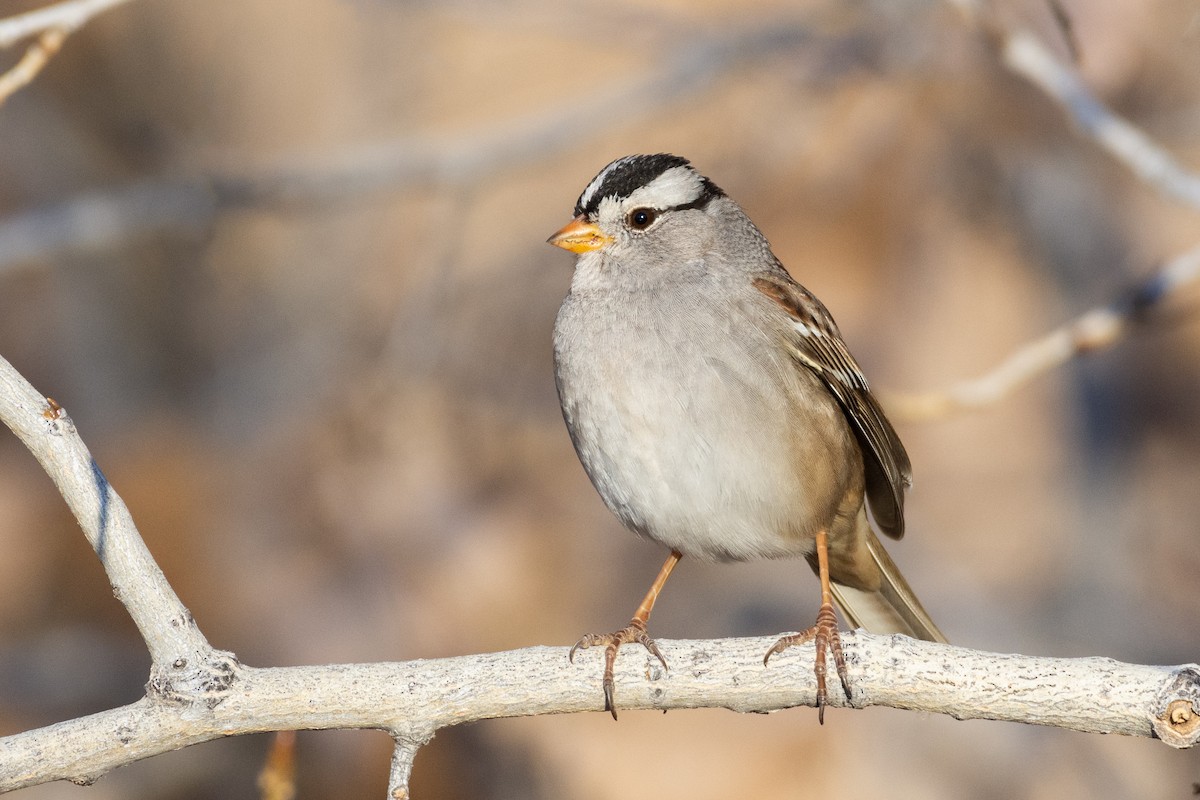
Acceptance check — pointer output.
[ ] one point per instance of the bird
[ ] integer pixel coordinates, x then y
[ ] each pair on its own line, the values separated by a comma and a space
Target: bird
717, 410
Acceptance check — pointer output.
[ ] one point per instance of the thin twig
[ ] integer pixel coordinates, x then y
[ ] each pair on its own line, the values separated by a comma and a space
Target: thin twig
1066, 27
35, 58
67, 17
277, 778
51, 26
1097, 329
1025, 55
403, 755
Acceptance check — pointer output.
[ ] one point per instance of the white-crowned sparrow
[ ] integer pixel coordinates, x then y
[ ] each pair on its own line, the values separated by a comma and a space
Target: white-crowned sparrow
716, 408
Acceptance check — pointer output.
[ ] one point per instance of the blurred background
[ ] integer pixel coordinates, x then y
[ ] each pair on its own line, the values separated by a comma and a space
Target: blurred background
284, 265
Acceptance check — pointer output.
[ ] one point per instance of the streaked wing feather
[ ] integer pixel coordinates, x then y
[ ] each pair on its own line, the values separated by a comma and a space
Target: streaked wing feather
818, 345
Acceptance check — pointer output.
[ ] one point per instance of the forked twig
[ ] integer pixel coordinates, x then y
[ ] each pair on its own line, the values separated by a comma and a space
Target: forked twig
51, 25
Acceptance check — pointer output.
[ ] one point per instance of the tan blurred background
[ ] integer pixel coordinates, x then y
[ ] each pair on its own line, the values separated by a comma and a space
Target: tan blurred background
284, 265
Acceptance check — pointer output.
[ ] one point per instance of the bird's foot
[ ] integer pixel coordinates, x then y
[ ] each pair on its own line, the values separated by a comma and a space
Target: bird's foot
825, 633
634, 632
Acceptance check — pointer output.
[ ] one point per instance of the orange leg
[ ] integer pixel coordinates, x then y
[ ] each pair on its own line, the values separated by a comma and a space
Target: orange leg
825, 632
634, 632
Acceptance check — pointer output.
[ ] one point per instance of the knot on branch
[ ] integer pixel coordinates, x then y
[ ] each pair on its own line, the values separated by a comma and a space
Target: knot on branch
1177, 721
205, 679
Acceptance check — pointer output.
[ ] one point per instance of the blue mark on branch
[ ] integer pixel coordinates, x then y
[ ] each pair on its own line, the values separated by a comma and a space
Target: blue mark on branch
103, 490
1136, 304
1148, 294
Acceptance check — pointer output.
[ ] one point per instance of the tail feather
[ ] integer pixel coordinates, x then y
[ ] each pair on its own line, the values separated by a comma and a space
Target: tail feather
892, 609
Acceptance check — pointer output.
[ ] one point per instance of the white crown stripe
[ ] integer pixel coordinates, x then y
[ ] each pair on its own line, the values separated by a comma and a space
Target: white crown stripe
585, 199
677, 186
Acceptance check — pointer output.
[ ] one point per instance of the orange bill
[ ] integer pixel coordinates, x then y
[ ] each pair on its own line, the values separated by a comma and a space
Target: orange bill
579, 236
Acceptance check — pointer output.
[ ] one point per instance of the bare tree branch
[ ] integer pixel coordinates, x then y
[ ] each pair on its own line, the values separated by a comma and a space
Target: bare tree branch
196, 693
1026, 56
401, 770
180, 653
51, 26
412, 700
105, 218
1097, 329
98, 220
1062, 19
35, 58
67, 17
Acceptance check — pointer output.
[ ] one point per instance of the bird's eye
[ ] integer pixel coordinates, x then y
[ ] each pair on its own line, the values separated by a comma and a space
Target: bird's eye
641, 218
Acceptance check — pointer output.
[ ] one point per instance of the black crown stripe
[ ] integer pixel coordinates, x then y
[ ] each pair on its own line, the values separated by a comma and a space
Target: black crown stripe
637, 171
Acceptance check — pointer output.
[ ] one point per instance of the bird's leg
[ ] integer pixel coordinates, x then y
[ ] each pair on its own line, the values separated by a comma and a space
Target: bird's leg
825, 632
634, 632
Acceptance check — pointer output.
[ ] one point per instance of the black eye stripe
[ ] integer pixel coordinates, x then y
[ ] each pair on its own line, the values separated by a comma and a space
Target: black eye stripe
703, 200
633, 217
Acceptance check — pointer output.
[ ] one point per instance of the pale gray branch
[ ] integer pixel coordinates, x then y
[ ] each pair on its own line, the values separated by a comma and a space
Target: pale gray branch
403, 756
412, 700
178, 649
196, 693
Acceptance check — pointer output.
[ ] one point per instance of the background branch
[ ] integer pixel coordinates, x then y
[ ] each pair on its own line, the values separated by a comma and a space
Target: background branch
36, 57
1093, 331
1100, 328
105, 218
1026, 56
51, 26
66, 16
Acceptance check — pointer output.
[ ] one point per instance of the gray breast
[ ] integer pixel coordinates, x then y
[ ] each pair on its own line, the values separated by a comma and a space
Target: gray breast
687, 421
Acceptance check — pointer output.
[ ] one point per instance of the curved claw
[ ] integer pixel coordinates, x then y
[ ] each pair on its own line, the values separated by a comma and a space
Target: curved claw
635, 631
586, 641
789, 641
825, 632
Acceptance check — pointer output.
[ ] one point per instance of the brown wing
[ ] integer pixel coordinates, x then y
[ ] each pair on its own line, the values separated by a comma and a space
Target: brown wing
818, 345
